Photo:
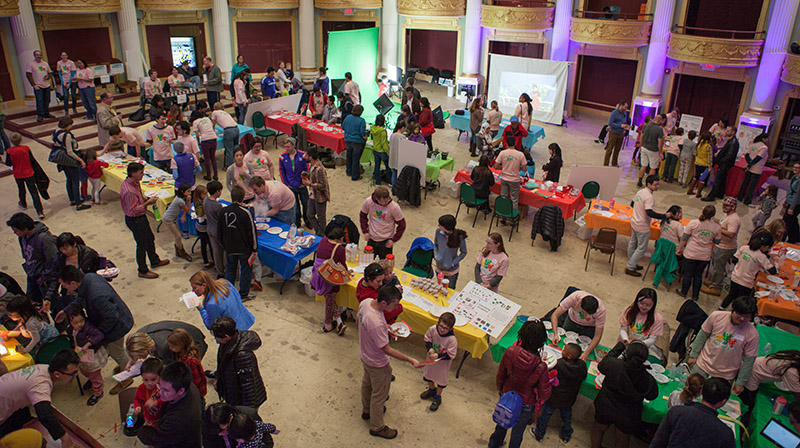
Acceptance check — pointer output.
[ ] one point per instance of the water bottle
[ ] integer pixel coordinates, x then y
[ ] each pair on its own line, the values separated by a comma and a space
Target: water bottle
766, 350
292, 231
129, 421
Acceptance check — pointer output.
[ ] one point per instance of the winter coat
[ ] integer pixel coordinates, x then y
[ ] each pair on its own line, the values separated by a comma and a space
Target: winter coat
407, 187
694, 424
548, 222
238, 379
299, 133
39, 251
570, 376
179, 425
351, 234
88, 262
104, 307
726, 157
690, 317
665, 260
624, 389
524, 373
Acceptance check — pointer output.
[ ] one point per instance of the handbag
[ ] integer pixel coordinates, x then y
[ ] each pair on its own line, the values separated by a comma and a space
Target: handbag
333, 272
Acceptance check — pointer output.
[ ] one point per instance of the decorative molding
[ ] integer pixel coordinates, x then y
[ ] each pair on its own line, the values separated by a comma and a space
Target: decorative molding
525, 36
9, 8
791, 69
714, 50
631, 33
172, 18
432, 8
262, 15
50, 22
431, 23
515, 18
341, 4
359, 15
172, 5
264, 4
609, 51
72, 6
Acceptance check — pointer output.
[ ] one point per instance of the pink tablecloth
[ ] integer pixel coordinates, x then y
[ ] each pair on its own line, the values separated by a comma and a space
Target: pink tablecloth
567, 203
315, 132
736, 177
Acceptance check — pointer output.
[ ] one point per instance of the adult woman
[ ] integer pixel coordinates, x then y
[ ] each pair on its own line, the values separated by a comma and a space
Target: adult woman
239, 173
673, 117
492, 262
322, 81
523, 371
756, 157
523, 111
260, 160
482, 181
672, 228
175, 80
641, 322
626, 385
85, 78
696, 247
72, 251
485, 140
216, 420
72, 164
283, 83
449, 248
319, 191
702, 163
475, 121
783, 366
750, 260
316, 103
157, 107
331, 247
239, 96
138, 346
220, 299
552, 169
239, 67
791, 208
426, 121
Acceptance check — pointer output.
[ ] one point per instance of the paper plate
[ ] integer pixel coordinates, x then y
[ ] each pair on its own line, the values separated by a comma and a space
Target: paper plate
657, 368
274, 230
660, 377
461, 321
598, 381
262, 226
108, 272
585, 339
548, 325
572, 335
284, 234
437, 310
569, 340
775, 279
158, 193
400, 329
561, 331
781, 386
788, 295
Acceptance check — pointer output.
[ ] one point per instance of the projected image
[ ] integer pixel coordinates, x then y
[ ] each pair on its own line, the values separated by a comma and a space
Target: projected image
183, 50
541, 88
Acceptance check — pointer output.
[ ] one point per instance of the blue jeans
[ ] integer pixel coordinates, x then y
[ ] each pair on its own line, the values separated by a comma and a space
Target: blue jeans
285, 216
162, 165
499, 434
380, 157
354, 151
230, 138
87, 98
394, 176
242, 112
245, 272
42, 102
73, 184
544, 419
71, 89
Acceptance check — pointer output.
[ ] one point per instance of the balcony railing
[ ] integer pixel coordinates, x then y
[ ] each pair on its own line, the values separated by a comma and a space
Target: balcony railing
713, 32
736, 49
608, 15
611, 28
517, 17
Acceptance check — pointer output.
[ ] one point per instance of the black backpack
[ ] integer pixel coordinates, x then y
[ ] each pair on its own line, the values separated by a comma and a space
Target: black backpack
351, 234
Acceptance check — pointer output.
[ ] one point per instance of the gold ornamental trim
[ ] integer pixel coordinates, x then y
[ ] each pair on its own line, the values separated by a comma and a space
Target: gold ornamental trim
173, 5
714, 50
791, 69
70, 6
341, 4
516, 18
9, 8
632, 33
264, 4
432, 8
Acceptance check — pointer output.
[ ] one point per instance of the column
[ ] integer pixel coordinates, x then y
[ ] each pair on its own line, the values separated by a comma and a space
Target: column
388, 34
561, 24
222, 37
657, 50
472, 39
308, 50
131, 42
26, 40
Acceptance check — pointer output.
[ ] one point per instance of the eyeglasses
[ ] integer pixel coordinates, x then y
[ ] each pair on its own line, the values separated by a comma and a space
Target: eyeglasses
67, 373
443, 327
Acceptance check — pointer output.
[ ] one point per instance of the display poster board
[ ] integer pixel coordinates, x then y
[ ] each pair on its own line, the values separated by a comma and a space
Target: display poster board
691, 123
607, 176
414, 154
289, 103
116, 69
747, 133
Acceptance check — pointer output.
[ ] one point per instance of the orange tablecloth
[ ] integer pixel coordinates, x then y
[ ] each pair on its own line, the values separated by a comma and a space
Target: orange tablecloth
567, 203
283, 121
784, 309
622, 225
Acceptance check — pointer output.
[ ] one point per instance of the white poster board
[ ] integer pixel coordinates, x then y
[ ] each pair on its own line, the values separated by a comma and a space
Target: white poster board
545, 81
116, 69
289, 103
99, 70
607, 176
484, 309
414, 154
691, 123
747, 133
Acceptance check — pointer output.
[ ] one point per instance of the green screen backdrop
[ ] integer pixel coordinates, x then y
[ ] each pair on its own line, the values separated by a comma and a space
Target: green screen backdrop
356, 52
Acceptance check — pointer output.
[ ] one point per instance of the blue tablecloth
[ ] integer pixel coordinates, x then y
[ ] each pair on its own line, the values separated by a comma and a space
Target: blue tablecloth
280, 261
461, 122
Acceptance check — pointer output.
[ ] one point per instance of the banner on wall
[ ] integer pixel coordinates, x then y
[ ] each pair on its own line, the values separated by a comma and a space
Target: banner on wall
543, 80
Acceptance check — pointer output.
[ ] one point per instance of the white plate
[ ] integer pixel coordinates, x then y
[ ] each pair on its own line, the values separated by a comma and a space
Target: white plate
660, 378
598, 381
437, 310
569, 340
262, 226
284, 234
572, 335
548, 325
561, 331
657, 368
788, 295
781, 386
274, 230
585, 339
158, 194
400, 329
584, 345
461, 321
775, 279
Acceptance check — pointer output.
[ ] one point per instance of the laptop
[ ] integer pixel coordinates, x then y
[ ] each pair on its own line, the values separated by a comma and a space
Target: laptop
781, 435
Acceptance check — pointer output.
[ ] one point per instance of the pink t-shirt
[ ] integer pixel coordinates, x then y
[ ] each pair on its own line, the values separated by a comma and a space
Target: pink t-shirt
572, 305
637, 327
85, 78
437, 372
238, 89
673, 231
131, 136
702, 235
65, 69
205, 129
373, 335
241, 176
260, 162
223, 119
766, 370
494, 117
750, 262
39, 70
755, 150
510, 161
280, 196
162, 141
726, 345
731, 223
671, 144
189, 144
643, 201
24, 387
175, 81
492, 265
381, 219
152, 87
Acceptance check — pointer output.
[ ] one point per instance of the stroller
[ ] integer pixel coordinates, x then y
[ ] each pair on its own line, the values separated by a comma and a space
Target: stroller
690, 318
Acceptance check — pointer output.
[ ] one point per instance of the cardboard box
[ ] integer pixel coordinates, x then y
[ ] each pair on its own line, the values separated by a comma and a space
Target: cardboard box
423, 77
128, 87
109, 88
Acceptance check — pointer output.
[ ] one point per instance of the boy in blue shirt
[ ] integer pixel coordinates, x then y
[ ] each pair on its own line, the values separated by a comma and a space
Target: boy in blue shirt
268, 84
355, 138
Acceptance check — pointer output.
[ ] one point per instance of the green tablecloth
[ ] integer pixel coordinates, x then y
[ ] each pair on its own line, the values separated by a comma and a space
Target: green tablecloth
433, 169
777, 338
762, 412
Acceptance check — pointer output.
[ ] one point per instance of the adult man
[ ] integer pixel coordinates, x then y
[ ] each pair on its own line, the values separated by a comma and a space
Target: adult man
192, 81
107, 118
355, 138
513, 130
756, 157
213, 80
66, 69
32, 386
410, 83
238, 379
39, 250
293, 166
510, 161
230, 131
269, 86
697, 424
213, 209
727, 344
373, 337
345, 105
280, 197
351, 89
725, 159
152, 85
582, 313
38, 74
134, 205
643, 212
382, 222
729, 227
652, 142
135, 141
618, 123
161, 136
104, 309
237, 233
180, 421
412, 101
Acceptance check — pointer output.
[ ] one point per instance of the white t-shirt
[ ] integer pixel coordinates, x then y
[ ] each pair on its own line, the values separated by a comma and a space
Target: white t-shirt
24, 387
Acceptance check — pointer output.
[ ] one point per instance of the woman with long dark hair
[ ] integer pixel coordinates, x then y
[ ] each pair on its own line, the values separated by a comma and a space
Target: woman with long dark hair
426, 121
475, 121
696, 247
524, 111
783, 366
482, 181
552, 169
449, 248
750, 259
641, 322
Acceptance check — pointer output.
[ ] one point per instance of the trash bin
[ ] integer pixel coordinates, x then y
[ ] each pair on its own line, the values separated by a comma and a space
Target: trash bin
453, 188
584, 232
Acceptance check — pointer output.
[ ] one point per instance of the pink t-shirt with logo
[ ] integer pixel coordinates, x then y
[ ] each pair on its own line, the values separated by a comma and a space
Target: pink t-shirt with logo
39, 70
731, 223
223, 119
65, 69
750, 262
189, 144
162, 141
702, 235
642, 202
260, 162
510, 161
673, 231
205, 129
766, 370
24, 387
280, 196
85, 78
381, 219
572, 305
373, 334
637, 327
726, 345
131, 136
492, 265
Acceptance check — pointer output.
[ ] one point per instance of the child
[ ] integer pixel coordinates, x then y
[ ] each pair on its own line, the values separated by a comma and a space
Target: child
442, 348
88, 339
637, 145
161, 136
179, 206
687, 153
147, 400
571, 373
693, 389
380, 147
416, 135
769, 200
494, 118
703, 161
94, 169
182, 345
250, 433
184, 165
330, 113
19, 157
750, 259
368, 288
673, 153
30, 324
201, 226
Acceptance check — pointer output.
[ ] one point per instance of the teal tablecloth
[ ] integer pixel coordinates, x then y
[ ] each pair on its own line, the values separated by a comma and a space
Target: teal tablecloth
461, 122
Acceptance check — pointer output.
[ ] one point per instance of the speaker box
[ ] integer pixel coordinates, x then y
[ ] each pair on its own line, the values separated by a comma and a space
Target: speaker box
438, 118
383, 104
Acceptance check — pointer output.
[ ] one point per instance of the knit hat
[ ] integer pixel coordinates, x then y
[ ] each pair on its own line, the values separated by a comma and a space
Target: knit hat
292, 140
178, 147
730, 201
514, 119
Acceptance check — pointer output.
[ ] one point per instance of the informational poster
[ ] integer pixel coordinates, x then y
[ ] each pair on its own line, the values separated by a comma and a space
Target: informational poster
747, 133
99, 70
414, 154
691, 123
484, 309
116, 69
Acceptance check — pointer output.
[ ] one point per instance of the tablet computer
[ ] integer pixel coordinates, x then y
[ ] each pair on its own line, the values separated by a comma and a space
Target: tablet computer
780, 434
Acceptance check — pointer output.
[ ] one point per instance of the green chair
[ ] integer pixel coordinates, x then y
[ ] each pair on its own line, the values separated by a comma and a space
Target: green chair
44, 354
504, 209
265, 133
590, 191
467, 197
420, 263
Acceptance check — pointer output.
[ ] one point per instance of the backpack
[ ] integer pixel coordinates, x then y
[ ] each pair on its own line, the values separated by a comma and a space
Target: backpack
58, 152
139, 115
508, 408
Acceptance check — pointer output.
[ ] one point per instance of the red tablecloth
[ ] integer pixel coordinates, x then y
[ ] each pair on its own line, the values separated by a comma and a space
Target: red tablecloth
283, 121
736, 177
567, 203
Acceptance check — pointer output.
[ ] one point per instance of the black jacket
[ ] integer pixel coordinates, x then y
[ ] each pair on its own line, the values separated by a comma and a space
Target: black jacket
407, 187
88, 262
236, 231
211, 436
690, 317
39, 251
179, 425
694, 424
104, 307
159, 331
238, 378
549, 223
624, 389
570, 376
726, 156
482, 185
553, 168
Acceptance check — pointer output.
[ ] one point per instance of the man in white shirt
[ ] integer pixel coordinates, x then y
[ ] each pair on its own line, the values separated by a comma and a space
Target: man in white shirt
643, 212
38, 74
351, 89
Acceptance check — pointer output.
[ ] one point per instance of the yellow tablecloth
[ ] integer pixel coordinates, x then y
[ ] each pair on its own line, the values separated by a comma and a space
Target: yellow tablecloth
114, 175
469, 338
19, 359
